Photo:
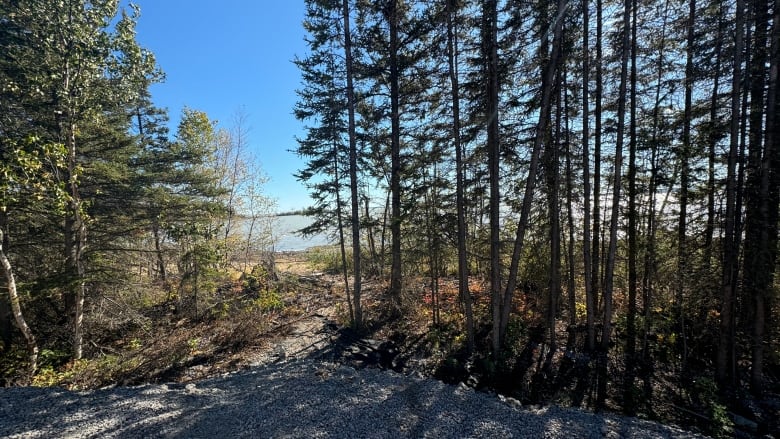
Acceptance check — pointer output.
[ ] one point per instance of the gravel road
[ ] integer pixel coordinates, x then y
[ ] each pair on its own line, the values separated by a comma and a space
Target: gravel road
301, 399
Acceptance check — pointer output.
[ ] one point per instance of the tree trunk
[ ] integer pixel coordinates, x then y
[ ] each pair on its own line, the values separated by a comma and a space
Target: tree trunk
490, 53
650, 264
590, 302
609, 269
161, 270
768, 210
548, 77
757, 271
463, 266
553, 207
709, 231
684, 157
353, 170
340, 226
75, 242
395, 158
374, 271
771, 181
730, 251
596, 253
16, 308
572, 262
628, 391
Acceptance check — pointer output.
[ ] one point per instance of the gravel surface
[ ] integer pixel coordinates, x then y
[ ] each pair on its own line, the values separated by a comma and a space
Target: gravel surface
302, 399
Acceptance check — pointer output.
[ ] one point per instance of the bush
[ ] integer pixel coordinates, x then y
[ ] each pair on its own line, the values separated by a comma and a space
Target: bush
328, 259
705, 391
269, 300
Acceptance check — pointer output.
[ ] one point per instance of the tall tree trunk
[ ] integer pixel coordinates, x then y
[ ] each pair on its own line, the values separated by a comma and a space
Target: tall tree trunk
548, 77
490, 50
75, 242
75, 231
340, 226
553, 207
648, 276
395, 157
771, 180
628, 391
463, 266
597, 133
609, 269
590, 301
335, 134
650, 263
757, 275
434, 243
572, 261
768, 208
684, 157
730, 251
712, 143
353, 170
771, 183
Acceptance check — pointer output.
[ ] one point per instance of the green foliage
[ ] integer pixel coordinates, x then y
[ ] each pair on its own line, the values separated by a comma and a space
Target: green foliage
193, 344
516, 333
258, 283
269, 300
49, 376
27, 173
705, 392
328, 259
53, 358
256, 280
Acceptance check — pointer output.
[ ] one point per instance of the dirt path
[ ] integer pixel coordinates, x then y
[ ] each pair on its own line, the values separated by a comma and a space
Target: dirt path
313, 333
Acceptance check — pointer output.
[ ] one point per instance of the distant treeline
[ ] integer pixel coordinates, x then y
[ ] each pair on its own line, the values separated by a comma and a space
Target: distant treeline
306, 211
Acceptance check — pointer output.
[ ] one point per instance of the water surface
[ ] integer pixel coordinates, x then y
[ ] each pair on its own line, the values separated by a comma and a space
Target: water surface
285, 234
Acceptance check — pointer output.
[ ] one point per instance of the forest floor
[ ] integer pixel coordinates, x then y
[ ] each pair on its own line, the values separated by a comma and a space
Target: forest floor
306, 317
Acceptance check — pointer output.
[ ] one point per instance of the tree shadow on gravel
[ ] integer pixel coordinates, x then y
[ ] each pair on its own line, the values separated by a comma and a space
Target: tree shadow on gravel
298, 399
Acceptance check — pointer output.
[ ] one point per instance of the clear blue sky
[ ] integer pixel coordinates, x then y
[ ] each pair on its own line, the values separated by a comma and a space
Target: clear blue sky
222, 56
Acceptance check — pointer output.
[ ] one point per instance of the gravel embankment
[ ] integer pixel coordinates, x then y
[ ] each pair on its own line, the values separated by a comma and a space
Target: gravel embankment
301, 399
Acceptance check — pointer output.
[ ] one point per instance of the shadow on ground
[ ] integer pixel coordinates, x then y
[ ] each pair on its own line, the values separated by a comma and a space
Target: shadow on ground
298, 399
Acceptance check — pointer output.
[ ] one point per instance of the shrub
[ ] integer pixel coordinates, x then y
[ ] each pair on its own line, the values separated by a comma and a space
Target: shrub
268, 300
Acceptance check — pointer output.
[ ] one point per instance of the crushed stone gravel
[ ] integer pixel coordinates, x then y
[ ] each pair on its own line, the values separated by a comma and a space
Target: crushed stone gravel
303, 399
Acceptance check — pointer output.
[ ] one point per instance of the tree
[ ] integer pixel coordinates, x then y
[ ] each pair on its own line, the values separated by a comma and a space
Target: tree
590, 300
331, 144
26, 172
73, 74
760, 246
200, 209
628, 403
549, 71
353, 181
609, 269
730, 250
491, 117
685, 153
391, 14
463, 269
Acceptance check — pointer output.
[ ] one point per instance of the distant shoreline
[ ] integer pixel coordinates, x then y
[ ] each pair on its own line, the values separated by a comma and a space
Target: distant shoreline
308, 211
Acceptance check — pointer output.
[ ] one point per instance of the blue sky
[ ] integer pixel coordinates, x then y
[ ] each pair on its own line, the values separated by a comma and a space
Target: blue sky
219, 57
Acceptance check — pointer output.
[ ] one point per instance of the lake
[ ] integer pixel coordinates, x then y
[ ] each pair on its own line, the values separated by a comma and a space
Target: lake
284, 231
